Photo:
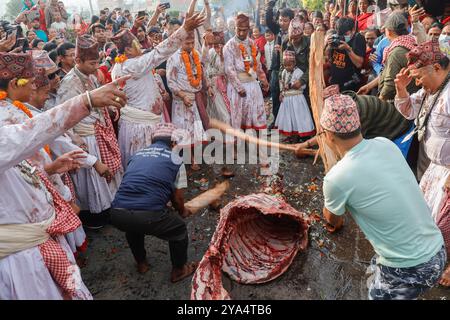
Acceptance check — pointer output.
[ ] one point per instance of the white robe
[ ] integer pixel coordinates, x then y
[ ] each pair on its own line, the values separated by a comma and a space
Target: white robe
24, 275
94, 193
143, 94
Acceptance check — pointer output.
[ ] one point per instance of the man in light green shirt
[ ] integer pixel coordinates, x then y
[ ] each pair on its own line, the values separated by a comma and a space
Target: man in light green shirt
373, 182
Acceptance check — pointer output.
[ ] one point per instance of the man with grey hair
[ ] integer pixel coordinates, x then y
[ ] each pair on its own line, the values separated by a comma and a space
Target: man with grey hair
394, 57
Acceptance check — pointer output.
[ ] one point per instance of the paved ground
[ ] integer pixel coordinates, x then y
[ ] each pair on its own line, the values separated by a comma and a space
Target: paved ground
333, 266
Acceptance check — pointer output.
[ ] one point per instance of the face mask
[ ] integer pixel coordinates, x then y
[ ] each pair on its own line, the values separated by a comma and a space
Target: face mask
444, 44
347, 38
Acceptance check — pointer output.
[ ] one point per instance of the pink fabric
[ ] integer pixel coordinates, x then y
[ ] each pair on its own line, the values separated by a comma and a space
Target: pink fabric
221, 84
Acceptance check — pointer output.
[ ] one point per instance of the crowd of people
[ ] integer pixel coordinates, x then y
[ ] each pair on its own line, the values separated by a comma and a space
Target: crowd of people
90, 114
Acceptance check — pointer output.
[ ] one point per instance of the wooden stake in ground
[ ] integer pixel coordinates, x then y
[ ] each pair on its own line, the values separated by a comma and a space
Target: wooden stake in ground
316, 85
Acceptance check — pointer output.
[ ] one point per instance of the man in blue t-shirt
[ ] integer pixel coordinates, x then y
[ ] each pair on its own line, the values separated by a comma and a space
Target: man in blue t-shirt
373, 182
35, 25
155, 176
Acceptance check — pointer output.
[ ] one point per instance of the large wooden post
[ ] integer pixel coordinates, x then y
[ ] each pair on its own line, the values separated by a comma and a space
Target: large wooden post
316, 86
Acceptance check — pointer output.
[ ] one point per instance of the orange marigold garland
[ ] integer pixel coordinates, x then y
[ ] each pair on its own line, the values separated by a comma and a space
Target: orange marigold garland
195, 81
121, 58
19, 105
245, 55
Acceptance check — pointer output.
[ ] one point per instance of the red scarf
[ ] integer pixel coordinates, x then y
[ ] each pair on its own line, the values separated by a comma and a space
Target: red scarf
407, 42
55, 258
362, 20
107, 144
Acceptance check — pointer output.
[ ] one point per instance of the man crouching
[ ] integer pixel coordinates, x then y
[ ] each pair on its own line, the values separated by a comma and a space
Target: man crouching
140, 208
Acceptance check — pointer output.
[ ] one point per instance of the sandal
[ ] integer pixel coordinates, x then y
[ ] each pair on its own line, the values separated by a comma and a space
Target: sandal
183, 273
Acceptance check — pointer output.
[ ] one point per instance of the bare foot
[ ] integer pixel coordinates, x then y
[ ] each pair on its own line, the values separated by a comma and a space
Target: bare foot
186, 271
195, 167
227, 173
143, 267
445, 279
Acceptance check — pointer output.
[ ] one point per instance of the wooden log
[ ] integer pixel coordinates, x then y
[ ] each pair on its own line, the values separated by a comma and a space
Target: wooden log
208, 197
316, 85
225, 128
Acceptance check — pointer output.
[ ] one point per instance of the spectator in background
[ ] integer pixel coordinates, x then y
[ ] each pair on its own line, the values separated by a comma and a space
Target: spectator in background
435, 31
231, 25
352, 8
140, 33
367, 70
155, 36
268, 51
54, 37
103, 17
427, 22
260, 41
37, 44
309, 29
49, 46
52, 8
39, 33
174, 25
66, 54
317, 19
98, 32
104, 74
280, 29
363, 16
95, 19
31, 35
59, 25
346, 59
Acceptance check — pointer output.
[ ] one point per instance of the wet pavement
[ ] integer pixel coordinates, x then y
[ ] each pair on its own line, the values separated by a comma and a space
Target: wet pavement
332, 267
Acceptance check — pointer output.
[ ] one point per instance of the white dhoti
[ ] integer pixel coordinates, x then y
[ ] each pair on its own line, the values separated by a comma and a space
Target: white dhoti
247, 112
93, 192
135, 131
188, 119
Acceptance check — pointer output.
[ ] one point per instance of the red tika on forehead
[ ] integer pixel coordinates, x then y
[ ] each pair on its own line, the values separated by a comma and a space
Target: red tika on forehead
16, 65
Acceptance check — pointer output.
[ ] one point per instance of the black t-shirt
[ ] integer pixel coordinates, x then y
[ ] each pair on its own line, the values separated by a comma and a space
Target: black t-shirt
342, 68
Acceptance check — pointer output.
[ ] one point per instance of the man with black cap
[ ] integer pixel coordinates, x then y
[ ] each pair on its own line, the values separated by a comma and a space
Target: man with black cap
346, 56
154, 176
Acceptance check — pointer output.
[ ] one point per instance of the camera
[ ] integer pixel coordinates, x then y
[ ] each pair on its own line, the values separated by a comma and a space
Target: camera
354, 81
336, 41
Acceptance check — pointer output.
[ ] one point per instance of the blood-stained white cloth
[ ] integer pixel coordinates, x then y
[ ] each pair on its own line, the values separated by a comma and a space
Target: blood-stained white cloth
437, 138
186, 118
144, 95
436, 144
246, 112
219, 106
60, 146
93, 192
24, 199
294, 117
